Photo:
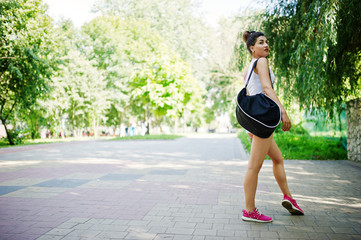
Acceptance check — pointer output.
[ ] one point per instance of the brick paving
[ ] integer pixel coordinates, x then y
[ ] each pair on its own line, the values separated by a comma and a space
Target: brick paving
189, 188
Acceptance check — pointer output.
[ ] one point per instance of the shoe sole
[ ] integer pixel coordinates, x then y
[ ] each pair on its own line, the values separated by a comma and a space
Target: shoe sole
289, 206
254, 220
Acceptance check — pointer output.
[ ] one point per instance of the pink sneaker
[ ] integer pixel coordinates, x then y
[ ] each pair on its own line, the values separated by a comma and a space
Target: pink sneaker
255, 216
291, 205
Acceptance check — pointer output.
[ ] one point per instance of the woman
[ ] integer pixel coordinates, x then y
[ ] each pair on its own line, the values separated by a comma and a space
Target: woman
259, 82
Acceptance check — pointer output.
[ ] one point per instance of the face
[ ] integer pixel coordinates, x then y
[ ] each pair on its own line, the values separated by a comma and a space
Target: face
260, 48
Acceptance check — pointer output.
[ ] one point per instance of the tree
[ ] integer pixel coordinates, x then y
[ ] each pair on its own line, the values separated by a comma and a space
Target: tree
79, 93
316, 49
346, 54
26, 51
180, 24
144, 76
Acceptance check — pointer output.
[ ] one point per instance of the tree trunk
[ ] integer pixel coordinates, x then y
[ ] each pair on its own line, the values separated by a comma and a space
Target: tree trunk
35, 128
340, 125
94, 128
353, 114
120, 124
73, 120
3, 120
8, 135
148, 128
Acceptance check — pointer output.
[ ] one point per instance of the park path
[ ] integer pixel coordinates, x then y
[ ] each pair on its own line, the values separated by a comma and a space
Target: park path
189, 188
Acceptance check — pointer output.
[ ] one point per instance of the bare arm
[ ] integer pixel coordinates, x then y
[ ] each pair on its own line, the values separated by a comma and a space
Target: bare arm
262, 70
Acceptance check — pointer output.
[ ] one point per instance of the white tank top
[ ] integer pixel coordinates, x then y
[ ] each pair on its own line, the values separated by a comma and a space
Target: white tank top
254, 86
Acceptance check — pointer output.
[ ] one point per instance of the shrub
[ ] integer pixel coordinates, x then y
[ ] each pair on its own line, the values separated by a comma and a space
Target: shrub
296, 146
303, 146
245, 139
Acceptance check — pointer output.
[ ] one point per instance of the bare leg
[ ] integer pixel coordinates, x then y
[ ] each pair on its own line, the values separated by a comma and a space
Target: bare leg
260, 148
278, 168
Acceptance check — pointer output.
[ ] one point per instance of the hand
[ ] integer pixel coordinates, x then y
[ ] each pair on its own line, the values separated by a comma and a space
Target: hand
286, 122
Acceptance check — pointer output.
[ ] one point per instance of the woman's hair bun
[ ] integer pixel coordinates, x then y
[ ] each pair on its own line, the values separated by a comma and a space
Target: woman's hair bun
246, 35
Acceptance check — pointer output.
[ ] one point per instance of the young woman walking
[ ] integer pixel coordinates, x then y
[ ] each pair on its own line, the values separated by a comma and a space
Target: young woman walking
259, 82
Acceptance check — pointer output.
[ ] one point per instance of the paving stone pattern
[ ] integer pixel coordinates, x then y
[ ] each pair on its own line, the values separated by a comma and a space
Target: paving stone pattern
189, 188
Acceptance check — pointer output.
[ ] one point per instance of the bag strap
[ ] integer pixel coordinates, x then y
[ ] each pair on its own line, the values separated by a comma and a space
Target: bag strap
249, 77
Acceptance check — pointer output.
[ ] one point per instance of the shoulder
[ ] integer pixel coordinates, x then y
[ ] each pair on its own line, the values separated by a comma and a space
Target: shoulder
262, 63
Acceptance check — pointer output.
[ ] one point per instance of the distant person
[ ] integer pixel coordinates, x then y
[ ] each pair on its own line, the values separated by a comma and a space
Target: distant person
147, 128
132, 129
259, 82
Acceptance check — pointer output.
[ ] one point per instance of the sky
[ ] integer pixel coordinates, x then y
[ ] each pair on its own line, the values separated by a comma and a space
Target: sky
79, 11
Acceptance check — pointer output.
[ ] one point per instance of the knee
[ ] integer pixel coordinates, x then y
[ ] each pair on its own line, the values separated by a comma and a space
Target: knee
277, 160
254, 168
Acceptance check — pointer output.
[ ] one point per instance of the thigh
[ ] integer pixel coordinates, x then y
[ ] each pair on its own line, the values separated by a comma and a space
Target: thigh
260, 148
275, 153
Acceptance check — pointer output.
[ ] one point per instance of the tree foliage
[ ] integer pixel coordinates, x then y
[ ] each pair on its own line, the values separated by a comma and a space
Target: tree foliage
153, 60
180, 24
316, 50
135, 62
144, 75
26, 61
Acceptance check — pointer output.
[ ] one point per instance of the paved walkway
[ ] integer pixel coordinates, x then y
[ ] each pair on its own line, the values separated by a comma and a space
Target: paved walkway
189, 188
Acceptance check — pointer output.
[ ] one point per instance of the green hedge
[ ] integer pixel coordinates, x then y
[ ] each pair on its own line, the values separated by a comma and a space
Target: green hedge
303, 146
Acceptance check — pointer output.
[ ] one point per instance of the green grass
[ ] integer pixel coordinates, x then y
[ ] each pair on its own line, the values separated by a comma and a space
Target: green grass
4, 143
304, 147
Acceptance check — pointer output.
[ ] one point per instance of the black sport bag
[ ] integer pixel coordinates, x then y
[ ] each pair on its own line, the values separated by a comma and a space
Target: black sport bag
258, 114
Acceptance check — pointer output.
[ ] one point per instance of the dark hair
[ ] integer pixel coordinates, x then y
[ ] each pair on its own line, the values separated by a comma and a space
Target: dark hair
250, 38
